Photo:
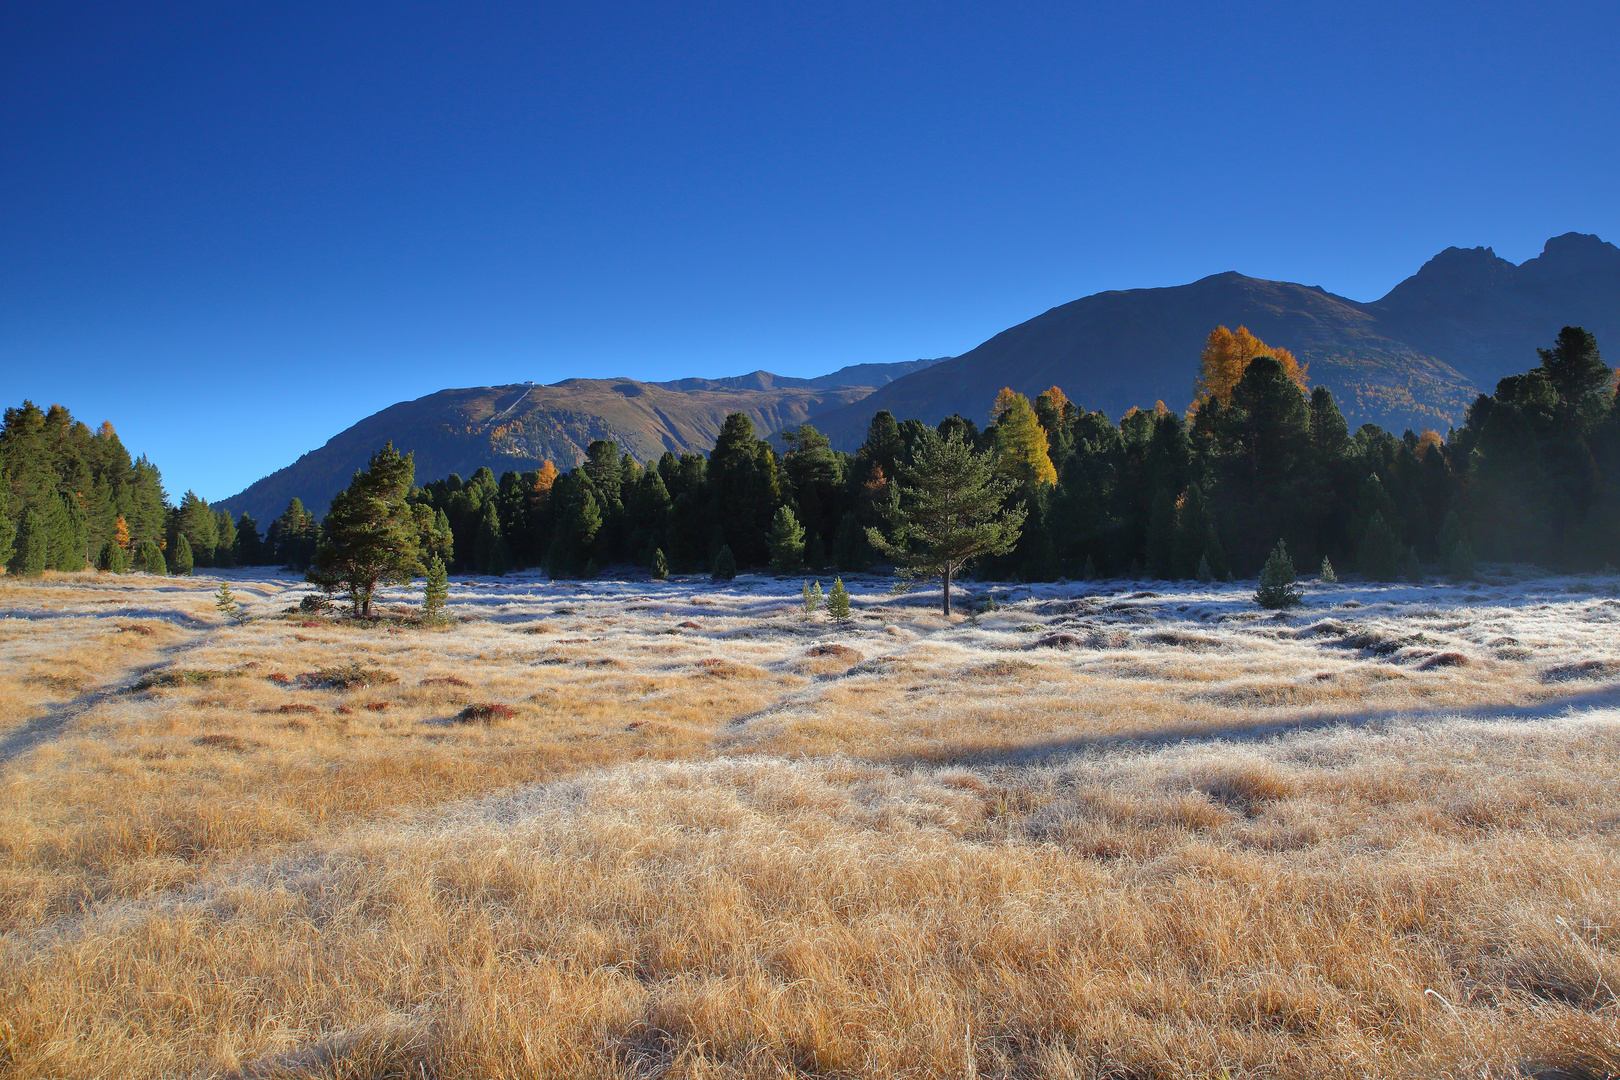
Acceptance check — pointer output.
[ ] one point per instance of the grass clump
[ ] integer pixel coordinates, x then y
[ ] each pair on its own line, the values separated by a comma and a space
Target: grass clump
182, 677
346, 677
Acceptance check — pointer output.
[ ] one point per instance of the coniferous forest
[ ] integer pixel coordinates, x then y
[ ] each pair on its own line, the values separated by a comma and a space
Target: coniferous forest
1532, 476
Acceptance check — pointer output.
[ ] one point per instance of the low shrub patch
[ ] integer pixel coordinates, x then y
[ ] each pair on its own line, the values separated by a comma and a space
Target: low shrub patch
486, 712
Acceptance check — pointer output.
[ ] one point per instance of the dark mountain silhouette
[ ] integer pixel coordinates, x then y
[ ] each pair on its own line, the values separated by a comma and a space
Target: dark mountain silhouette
519, 426
1414, 358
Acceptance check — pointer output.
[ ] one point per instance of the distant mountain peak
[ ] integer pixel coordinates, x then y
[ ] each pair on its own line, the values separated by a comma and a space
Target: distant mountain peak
1576, 253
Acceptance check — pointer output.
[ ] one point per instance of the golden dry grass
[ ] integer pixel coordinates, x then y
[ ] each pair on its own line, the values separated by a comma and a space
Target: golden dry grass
1127, 835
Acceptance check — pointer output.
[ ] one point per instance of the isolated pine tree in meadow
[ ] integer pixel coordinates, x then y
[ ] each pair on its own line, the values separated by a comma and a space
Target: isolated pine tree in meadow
183, 562
1204, 573
31, 550
838, 602
725, 564
1327, 575
660, 565
948, 511
812, 599
787, 542
370, 535
436, 591
227, 606
1278, 588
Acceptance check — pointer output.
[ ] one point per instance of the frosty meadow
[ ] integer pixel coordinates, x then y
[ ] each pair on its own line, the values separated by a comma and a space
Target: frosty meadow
678, 829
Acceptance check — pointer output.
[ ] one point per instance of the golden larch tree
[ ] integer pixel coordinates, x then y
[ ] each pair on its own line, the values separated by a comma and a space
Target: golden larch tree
1022, 452
1226, 356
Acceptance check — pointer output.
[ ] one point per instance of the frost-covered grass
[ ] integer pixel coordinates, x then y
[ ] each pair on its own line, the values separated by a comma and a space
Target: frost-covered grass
1105, 829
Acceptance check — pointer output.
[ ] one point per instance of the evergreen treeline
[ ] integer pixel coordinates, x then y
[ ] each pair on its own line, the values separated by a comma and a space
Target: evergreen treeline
1533, 475
72, 499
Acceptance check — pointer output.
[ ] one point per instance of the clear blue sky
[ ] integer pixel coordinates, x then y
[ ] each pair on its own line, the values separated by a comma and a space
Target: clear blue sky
234, 229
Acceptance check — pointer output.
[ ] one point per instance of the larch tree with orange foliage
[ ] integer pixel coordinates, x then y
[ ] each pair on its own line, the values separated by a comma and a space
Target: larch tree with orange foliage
1227, 355
1021, 446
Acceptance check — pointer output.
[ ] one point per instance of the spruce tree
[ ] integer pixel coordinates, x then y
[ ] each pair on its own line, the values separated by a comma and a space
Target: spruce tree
436, 590
489, 546
725, 564
812, 599
838, 602
370, 534
1380, 553
183, 561
1204, 574
112, 559
1277, 581
1327, 575
786, 542
660, 565
32, 553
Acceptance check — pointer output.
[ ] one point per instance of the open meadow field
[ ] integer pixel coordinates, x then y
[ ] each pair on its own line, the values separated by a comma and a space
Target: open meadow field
675, 829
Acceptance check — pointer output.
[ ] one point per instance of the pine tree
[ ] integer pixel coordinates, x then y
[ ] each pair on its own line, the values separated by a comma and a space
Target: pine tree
8, 539
838, 602
660, 565
946, 512
812, 599
436, 591
183, 561
1089, 571
151, 558
31, 552
1277, 581
1161, 537
786, 542
1204, 574
1327, 575
815, 552
112, 559
725, 564
370, 534
1460, 560
227, 606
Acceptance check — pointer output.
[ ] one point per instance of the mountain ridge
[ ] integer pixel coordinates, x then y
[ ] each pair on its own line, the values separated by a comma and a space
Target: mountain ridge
1413, 358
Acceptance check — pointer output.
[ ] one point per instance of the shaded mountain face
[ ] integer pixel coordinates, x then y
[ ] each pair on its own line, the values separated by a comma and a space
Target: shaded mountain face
1415, 358
1486, 317
520, 426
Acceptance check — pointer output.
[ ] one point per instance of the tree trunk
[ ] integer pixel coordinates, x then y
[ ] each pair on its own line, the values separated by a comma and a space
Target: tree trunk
945, 605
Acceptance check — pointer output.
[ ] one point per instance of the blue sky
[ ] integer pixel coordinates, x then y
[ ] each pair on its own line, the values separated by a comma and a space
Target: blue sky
234, 229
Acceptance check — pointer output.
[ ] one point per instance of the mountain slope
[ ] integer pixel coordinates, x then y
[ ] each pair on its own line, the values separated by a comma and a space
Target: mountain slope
1414, 358
517, 427
1487, 317
1113, 350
